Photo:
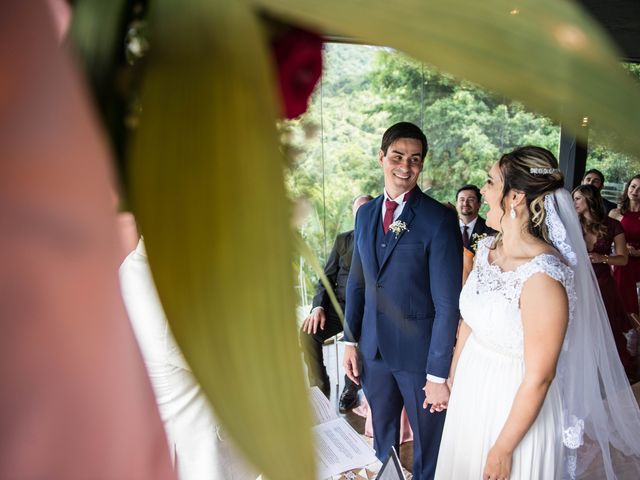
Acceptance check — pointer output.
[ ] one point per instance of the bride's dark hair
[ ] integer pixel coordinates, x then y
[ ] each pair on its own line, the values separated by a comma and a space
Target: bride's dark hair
533, 171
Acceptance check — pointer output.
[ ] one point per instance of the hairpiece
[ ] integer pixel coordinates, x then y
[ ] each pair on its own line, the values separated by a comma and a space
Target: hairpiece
543, 171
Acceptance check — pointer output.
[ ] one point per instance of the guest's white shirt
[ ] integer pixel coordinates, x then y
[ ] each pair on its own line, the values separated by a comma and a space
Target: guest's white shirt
469, 226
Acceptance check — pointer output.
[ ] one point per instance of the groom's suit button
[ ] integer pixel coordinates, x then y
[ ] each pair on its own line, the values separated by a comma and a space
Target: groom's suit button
383, 245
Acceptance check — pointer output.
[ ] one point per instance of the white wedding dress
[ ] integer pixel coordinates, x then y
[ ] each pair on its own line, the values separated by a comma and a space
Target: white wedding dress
489, 372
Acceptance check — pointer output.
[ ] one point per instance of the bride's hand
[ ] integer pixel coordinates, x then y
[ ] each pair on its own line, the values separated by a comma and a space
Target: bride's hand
498, 465
450, 383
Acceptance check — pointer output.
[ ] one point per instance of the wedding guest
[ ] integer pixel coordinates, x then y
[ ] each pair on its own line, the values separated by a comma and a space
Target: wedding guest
628, 276
197, 445
402, 301
467, 252
596, 178
472, 225
323, 322
531, 309
600, 233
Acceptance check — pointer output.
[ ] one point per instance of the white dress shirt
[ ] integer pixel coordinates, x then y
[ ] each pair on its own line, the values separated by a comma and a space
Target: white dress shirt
400, 200
469, 226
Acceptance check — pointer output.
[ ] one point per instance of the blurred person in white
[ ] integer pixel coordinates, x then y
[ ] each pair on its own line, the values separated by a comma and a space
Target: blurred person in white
197, 445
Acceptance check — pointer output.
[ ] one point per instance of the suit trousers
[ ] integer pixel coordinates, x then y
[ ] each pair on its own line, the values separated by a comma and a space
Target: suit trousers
387, 391
313, 357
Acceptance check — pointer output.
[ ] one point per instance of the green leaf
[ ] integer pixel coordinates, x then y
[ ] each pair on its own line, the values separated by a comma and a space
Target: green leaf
548, 54
208, 191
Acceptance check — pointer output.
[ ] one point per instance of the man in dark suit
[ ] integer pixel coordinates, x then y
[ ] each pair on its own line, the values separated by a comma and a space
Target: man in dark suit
323, 321
596, 178
402, 302
472, 225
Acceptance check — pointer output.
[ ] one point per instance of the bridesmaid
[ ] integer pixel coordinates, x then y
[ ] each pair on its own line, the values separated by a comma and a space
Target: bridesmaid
627, 276
600, 233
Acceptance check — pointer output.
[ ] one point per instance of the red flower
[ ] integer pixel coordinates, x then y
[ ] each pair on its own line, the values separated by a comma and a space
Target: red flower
298, 55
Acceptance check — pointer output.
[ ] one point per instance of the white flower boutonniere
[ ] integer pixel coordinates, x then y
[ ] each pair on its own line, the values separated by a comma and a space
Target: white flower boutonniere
477, 238
398, 227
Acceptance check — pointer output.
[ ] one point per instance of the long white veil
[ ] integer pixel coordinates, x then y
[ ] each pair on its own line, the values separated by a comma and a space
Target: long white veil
601, 416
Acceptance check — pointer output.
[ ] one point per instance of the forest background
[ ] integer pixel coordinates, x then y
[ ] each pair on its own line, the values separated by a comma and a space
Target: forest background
333, 148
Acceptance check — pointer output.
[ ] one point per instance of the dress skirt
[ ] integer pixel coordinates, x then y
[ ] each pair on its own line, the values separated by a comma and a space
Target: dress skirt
485, 384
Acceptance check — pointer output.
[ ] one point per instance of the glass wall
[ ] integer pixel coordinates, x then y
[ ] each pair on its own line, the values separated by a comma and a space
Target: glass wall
617, 167
334, 146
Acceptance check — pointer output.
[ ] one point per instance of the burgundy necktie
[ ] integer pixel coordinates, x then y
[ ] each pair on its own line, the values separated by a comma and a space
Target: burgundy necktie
388, 214
465, 236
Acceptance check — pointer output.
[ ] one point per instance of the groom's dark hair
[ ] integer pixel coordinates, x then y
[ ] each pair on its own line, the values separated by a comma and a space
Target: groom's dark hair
404, 130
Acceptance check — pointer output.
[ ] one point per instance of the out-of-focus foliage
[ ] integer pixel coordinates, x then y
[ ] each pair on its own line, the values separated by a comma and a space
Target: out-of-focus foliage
572, 69
208, 191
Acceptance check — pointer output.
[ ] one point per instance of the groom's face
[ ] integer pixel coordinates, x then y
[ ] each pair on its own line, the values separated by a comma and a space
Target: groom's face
401, 164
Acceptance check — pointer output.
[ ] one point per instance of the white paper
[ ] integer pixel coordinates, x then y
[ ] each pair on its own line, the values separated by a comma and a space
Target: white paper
339, 448
322, 410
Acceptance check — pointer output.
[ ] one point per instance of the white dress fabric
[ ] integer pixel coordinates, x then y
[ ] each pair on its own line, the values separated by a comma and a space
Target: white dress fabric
489, 372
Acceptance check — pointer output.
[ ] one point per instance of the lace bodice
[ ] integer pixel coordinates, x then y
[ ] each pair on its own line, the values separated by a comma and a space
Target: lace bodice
490, 299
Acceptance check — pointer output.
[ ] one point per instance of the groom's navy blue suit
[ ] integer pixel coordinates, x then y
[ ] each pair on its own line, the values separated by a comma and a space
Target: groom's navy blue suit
402, 310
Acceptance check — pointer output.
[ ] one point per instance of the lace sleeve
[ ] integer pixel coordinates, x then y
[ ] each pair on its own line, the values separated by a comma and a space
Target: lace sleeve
484, 245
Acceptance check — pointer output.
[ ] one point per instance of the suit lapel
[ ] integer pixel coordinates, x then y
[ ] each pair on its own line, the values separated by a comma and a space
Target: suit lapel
374, 221
478, 228
407, 216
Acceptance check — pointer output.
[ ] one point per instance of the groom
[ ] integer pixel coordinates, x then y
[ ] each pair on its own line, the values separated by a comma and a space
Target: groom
402, 302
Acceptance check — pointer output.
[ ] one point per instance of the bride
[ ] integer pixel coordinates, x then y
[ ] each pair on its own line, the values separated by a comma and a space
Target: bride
538, 391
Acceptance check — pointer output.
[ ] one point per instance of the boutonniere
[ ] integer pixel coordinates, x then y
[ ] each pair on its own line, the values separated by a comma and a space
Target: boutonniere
398, 227
477, 238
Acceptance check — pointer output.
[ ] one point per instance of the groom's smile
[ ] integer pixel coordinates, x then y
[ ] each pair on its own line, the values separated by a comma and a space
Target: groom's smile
402, 163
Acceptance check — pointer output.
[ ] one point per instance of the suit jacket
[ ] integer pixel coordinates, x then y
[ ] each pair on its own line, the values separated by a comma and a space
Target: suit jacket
337, 272
608, 205
405, 303
480, 228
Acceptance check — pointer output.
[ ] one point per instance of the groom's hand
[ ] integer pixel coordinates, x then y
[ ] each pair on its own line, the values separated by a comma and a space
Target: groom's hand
436, 395
350, 363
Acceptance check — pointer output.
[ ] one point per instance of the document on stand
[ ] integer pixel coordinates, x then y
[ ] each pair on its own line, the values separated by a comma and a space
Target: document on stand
338, 446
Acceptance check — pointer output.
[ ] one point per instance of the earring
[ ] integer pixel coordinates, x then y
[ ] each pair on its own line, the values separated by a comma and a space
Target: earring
512, 213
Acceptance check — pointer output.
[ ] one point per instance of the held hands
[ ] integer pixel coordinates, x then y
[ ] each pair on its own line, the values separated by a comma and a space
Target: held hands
315, 319
436, 395
498, 465
350, 363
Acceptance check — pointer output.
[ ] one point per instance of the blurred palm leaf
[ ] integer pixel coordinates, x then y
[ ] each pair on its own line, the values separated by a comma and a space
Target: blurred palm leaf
208, 190
548, 54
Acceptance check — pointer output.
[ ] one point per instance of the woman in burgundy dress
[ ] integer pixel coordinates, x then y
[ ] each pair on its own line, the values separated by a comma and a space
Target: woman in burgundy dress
628, 275
600, 233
